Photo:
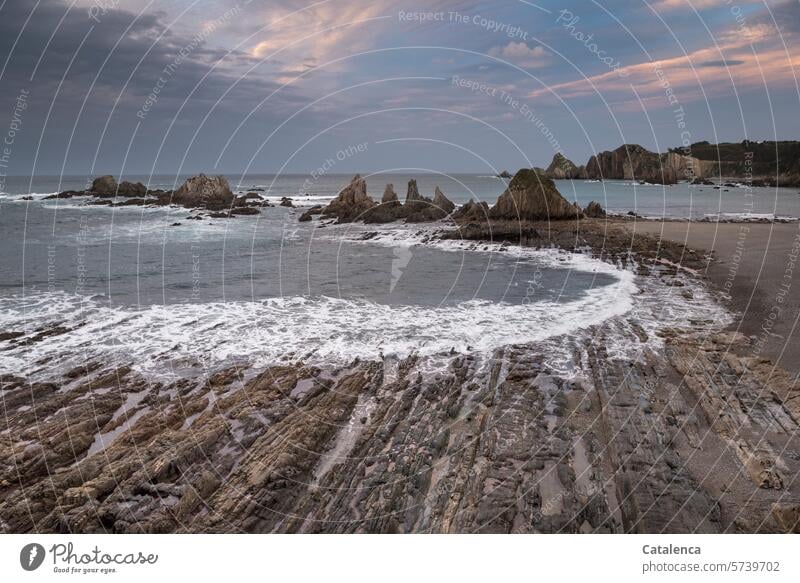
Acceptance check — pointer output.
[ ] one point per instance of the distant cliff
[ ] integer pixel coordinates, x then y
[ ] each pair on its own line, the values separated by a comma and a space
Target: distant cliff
762, 163
768, 163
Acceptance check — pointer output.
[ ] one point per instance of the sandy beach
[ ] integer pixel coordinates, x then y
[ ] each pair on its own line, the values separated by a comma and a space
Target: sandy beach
755, 265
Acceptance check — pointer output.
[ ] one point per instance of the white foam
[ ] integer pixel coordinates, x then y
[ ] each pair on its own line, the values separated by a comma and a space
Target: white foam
326, 330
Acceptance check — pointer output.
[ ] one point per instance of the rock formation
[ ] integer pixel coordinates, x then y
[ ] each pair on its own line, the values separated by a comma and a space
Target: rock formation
561, 168
210, 192
594, 211
532, 196
472, 212
630, 162
104, 186
441, 202
352, 202
389, 195
107, 186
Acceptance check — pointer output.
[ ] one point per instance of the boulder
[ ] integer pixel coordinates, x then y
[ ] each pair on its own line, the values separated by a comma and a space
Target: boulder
210, 192
104, 186
287, 202
131, 189
309, 214
532, 196
594, 211
352, 202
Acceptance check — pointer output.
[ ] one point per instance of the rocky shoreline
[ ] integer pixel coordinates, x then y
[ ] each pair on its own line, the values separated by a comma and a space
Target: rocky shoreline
694, 436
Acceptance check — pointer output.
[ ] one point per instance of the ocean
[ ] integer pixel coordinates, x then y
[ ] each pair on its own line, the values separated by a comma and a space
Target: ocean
171, 296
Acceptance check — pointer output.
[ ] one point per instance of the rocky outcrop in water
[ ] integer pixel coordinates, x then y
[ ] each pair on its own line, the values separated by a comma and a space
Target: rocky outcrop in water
531, 196
209, 192
107, 186
442, 203
351, 203
389, 195
562, 168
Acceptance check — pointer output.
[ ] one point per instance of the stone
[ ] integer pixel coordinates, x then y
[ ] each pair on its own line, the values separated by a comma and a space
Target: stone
441, 202
104, 186
210, 192
532, 196
351, 203
389, 195
593, 210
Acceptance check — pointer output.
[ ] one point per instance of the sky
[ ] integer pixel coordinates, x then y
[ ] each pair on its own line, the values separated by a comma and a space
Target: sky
131, 87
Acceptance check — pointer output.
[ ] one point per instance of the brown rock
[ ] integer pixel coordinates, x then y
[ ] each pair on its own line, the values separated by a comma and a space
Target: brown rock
441, 202
352, 202
211, 192
532, 196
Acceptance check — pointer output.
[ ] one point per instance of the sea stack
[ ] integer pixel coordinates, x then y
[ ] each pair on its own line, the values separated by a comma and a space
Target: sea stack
532, 196
210, 192
352, 202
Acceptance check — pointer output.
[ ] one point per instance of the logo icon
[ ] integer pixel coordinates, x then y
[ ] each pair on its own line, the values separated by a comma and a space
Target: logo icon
31, 556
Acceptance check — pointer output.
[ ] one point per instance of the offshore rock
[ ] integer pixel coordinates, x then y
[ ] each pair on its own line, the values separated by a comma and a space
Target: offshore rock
352, 202
210, 192
532, 196
440, 201
389, 195
561, 168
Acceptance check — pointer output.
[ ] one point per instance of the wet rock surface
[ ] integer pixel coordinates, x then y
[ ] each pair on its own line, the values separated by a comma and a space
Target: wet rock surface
689, 435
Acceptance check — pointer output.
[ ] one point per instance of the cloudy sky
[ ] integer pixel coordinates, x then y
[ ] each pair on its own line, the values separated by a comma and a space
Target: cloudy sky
168, 86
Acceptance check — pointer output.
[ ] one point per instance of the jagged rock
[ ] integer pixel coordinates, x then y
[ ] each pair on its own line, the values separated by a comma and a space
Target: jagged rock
287, 202
389, 195
441, 202
561, 168
210, 192
472, 212
593, 210
413, 195
504, 174
532, 196
352, 202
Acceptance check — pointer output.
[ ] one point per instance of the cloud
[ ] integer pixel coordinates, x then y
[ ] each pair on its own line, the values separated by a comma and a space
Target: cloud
700, 73
721, 63
521, 54
665, 5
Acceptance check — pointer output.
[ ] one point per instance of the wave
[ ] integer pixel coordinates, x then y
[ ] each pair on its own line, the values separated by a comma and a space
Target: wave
325, 330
